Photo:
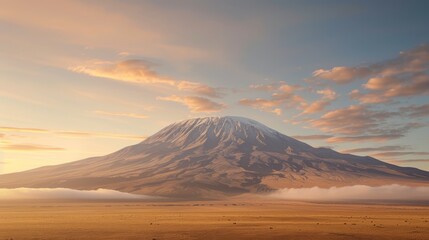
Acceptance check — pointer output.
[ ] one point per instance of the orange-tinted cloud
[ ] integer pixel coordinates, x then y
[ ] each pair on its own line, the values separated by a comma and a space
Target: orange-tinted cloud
384, 74
136, 71
200, 89
196, 104
72, 133
261, 103
364, 138
342, 74
312, 137
30, 147
328, 96
129, 115
403, 76
351, 120
368, 97
142, 72
284, 96
395, 154
98, 135
375, 149
410, 161
19, 129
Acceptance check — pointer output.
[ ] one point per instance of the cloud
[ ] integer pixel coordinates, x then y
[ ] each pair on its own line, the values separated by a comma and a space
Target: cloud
410, 161
354, 120
283, 96
30, 147
65, 193
403, 76
316, 106
416, 110
402, 86
130, 115
136, 71
364, 138
355, 193
73, 133
360, 123
20, 129
141, 72
412, 61
375, 149
260, 103
265, 87
328, 96
277, 111
368, 98
196, 104
98, 135
312, 137
200, 89
394, 154
342, 74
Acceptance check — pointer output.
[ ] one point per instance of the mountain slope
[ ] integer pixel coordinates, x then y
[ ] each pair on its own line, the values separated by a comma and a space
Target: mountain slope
214, 157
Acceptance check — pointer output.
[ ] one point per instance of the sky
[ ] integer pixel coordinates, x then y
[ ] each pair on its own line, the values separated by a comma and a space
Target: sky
86, 78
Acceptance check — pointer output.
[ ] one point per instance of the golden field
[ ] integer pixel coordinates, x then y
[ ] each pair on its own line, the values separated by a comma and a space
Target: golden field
241, 219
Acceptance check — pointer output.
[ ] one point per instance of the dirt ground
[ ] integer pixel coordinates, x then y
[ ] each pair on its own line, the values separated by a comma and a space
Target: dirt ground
210, 220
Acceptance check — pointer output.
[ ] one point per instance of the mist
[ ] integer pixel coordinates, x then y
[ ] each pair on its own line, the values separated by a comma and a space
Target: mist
355, 193
65, 193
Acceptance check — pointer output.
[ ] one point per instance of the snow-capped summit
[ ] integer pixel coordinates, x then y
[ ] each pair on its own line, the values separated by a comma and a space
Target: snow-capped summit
214, 157
213, 132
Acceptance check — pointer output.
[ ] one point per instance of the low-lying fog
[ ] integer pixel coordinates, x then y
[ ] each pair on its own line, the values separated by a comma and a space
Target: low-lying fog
333, 194
355, 193
65, 193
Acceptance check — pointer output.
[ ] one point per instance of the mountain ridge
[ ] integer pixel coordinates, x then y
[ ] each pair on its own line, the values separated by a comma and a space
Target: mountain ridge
214, 157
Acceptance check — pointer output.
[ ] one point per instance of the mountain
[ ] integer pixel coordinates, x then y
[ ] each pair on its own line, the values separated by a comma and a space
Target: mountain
215, 157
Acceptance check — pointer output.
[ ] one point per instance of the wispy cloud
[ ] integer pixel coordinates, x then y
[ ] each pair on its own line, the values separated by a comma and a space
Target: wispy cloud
328, 96
142, 72
364, 138
99, 135
29, 147
416, 110
403, 76
355, 193
342, 74
196, 104
135, 71
360, 123
21, 129
129, 115
283, 95
354, 120
410, 161
65, 193
375, 149
395, 154
312, 137
368, 97
69, 133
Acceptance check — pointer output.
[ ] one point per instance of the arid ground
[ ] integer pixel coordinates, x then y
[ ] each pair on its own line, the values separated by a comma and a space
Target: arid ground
210, 220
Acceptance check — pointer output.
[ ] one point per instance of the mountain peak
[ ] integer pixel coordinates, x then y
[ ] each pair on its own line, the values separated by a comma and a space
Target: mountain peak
216, 156
218, 131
